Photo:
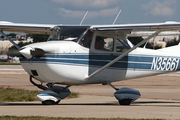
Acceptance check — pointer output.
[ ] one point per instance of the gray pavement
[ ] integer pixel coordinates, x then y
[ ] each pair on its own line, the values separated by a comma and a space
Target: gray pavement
160, 98
96, 106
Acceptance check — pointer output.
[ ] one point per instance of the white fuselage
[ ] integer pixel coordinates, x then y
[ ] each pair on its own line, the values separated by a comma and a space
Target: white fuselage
67, 62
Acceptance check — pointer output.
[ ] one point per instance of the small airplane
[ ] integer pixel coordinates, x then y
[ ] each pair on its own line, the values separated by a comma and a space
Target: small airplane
92, 54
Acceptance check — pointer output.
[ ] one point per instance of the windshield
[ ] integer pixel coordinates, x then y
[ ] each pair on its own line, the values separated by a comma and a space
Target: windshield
69, 33
122, 45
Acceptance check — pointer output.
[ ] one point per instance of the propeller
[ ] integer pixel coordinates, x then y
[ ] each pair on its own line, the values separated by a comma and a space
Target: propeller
14, 52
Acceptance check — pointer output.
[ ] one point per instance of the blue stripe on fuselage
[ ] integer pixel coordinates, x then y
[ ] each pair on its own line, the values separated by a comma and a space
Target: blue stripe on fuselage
96, 60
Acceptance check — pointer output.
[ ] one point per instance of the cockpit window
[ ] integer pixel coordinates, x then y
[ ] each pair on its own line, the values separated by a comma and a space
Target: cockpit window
69, 33
87, 39
104, 43
122, 45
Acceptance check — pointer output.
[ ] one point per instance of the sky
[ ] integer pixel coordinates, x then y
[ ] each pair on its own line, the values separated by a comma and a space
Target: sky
99, 11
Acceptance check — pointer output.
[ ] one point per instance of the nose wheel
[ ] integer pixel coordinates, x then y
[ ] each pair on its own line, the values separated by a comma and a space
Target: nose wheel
54, 95
51, 95
50, 102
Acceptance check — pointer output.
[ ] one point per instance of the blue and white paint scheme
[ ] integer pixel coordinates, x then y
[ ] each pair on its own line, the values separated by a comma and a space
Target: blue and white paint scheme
72, 64
96, 54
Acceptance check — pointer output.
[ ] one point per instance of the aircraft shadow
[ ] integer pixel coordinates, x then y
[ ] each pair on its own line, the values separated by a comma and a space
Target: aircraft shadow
146, 103
68, 104
20, 104
158, 104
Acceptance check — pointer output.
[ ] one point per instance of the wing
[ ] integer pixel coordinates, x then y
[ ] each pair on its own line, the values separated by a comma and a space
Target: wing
167, 26
147, 33
26, 28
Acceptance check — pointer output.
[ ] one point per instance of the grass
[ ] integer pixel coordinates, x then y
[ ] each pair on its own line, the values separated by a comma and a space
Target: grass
61, 118
73, 95
11, 95
17, 95
8, 63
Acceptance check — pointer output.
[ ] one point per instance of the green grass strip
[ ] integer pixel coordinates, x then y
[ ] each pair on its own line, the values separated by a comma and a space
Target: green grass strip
11, 95
7, 63
17, 95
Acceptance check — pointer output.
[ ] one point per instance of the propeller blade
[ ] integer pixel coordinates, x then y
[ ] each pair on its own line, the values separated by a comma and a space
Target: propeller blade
14, 52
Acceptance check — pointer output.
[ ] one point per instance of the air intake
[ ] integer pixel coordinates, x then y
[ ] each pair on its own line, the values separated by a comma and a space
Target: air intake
34, 72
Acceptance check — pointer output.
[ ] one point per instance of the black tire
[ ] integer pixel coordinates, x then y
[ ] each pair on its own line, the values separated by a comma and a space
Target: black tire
48, 102
125, 101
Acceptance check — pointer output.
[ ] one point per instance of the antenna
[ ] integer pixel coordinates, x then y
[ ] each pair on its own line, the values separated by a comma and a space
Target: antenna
83, 18
116, 17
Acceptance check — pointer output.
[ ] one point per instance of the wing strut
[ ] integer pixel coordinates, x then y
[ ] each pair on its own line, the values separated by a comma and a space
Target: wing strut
83, 18
121, 56
116, 17
1, 32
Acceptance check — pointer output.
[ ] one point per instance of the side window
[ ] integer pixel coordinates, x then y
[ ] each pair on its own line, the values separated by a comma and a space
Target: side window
121, 45
86, 41
104, 43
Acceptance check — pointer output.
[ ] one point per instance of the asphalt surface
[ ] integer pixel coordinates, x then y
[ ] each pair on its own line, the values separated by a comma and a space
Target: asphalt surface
160, 98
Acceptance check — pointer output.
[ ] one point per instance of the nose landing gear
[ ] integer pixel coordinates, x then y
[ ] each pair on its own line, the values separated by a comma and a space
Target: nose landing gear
51, 95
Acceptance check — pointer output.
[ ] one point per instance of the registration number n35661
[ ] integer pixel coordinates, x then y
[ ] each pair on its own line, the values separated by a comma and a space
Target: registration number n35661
163, 63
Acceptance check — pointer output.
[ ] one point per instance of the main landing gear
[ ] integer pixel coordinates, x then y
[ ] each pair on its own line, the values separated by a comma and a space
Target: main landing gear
51, 95
125, 95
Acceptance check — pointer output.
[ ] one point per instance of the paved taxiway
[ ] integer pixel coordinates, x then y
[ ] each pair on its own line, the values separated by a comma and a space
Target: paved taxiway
160, 98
